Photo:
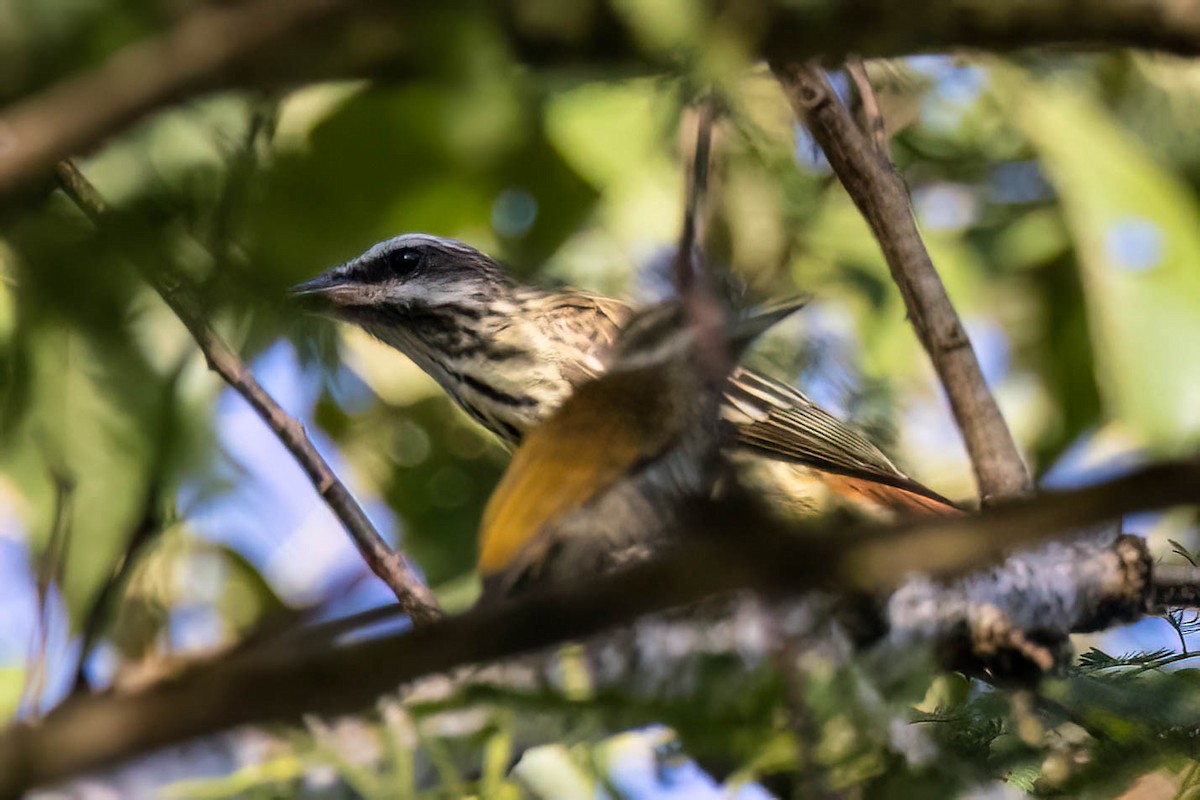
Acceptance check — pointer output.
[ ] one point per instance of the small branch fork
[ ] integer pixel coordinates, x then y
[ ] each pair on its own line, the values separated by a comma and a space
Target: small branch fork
873, 121
880, 194
413, 597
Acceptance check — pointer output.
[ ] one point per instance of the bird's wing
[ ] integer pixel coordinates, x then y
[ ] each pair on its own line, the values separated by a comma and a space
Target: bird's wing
600, 434
588, 323
779, 421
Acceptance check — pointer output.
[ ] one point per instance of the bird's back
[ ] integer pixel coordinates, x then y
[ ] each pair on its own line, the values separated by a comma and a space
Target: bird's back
774, 421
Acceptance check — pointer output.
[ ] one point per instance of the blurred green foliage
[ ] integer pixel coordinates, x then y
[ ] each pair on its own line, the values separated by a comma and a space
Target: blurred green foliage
1058, 196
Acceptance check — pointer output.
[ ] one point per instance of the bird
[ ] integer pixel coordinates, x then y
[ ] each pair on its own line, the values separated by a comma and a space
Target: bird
509, 354
605, 480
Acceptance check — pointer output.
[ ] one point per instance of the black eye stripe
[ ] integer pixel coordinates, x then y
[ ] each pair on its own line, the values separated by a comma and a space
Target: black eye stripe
386, 266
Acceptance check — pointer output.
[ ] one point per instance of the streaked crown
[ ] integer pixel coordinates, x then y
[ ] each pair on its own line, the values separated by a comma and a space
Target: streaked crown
408, 271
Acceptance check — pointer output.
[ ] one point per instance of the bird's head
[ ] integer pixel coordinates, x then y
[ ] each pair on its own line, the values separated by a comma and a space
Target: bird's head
663, 334
407, 274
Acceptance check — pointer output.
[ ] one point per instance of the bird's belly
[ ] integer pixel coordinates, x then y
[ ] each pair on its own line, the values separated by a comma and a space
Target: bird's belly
625, 526
636, 519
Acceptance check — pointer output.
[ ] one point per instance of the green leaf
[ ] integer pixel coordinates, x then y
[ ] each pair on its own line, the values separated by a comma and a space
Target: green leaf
82, 419
12, 684
423, 157
550, 771
1137, 233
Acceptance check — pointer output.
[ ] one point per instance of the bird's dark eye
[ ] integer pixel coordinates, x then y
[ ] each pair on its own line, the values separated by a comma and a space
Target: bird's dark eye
385, 262
406, 261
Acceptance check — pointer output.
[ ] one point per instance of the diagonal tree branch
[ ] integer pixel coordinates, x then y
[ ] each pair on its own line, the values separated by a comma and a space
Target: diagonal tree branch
413, 597
880, 194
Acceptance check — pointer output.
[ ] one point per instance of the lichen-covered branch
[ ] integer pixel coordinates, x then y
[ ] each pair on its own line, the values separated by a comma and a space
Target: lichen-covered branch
285, 679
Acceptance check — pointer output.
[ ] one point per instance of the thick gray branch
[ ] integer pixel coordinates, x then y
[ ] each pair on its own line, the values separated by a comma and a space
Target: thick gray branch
284, 679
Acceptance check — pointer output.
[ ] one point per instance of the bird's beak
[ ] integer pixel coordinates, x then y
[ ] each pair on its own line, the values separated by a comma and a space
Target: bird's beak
326, 292
314, 286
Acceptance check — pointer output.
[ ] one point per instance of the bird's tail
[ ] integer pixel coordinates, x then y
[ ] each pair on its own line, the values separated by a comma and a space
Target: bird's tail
892, 498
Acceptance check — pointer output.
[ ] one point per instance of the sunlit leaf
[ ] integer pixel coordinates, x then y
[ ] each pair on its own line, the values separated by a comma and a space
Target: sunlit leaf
1137, 233
79, 421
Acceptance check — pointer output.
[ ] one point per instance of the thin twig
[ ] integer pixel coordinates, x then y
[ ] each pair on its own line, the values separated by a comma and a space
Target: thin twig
873, 122
696, 191
880, 194
705, 312
52, 563
150, 524
101, 608
390, 565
